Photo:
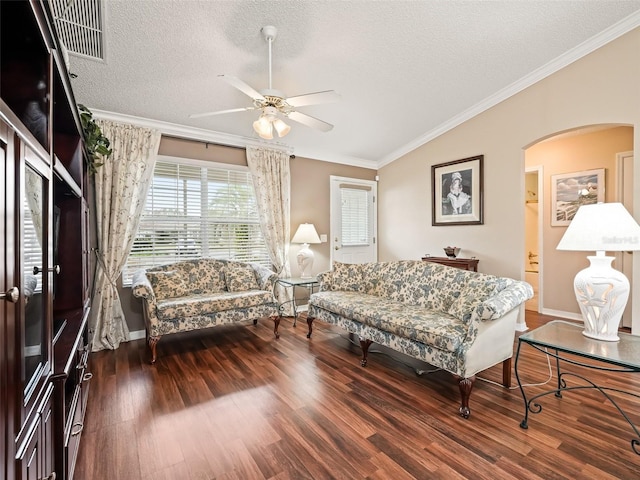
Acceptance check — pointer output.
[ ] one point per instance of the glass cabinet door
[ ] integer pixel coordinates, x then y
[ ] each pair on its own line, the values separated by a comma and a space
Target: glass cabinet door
34, 256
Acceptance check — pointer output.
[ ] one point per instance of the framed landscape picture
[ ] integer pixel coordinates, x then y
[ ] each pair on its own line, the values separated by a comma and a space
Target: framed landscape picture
458, 192
569, 191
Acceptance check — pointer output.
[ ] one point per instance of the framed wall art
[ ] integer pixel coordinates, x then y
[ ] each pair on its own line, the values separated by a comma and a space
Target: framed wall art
571, 190
458, 192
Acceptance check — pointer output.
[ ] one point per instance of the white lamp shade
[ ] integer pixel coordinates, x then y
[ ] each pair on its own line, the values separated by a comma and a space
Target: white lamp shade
306, 233
602, 227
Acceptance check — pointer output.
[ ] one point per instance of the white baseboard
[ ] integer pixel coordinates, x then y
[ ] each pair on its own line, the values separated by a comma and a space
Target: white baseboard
561, 314
137, 335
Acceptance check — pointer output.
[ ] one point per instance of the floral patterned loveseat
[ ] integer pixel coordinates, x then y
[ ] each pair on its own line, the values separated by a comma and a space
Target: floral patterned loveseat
196, 294
460, 321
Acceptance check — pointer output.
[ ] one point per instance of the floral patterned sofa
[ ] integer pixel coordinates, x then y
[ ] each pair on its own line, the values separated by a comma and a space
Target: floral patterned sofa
460, 321
196, 294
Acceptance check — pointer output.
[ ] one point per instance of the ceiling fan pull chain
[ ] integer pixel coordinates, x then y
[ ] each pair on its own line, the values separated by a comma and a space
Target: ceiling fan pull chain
270, 41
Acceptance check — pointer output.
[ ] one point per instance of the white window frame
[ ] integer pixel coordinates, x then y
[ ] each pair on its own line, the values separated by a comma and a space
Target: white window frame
201, 225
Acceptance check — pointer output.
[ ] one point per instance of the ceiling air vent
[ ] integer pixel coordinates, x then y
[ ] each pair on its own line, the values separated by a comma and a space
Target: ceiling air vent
80, 26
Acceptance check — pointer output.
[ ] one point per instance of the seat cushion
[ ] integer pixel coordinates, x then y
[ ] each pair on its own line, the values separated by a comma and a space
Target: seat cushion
204, 275
437, 329
240, 277
167, 284
475, 291
207, 303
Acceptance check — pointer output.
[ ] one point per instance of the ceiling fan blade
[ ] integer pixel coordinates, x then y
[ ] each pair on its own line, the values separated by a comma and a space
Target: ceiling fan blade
243, 87
310, 121
220, 112
328, 96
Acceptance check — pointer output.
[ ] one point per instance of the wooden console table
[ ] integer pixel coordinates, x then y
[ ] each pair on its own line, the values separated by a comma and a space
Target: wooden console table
463, 263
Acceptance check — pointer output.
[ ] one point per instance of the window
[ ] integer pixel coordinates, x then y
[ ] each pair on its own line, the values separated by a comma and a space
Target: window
32, 253
195, 211
355, 215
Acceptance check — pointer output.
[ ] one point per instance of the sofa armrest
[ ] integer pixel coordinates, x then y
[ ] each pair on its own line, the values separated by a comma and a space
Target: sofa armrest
265, 276
502, 303
325, 279
141, 286
142, 289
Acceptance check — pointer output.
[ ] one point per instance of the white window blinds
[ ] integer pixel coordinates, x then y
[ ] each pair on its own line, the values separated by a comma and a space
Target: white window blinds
355, 215
32, 254
193, 211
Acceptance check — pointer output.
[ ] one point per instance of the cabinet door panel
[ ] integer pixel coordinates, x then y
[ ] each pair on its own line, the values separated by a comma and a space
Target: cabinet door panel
34, 458
30, 466
34, 272
7, 308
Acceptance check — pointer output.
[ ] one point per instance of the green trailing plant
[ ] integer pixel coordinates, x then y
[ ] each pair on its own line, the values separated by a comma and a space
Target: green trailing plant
97, 144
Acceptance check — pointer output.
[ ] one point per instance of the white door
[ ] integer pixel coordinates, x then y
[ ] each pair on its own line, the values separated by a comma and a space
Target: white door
624, 260
353, 220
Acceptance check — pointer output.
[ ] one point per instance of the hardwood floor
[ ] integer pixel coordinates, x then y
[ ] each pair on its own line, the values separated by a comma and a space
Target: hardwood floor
234, 403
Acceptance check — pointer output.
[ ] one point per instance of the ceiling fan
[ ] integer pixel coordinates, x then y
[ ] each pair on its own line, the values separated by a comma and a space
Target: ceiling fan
273, 103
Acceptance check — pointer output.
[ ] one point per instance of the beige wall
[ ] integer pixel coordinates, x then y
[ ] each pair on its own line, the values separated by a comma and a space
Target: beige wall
600, 88
565, 155
309, 201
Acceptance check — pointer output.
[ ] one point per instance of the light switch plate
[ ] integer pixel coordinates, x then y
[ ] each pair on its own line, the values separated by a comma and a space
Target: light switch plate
323, 238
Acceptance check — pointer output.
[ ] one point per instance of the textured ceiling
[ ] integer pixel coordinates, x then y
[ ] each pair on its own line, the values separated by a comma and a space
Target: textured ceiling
405, 70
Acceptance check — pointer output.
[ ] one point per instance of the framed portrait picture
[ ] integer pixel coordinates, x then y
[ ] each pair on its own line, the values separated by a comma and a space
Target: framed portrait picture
571, 190
458, 192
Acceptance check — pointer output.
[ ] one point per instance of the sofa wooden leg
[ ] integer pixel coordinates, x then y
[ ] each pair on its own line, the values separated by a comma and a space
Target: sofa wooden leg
465, 385
255, 321
276, 324
152, 342
310, 324
506, 372
364, 344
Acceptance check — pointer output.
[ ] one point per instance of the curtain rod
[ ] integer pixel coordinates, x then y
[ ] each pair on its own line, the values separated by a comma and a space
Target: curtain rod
207, 143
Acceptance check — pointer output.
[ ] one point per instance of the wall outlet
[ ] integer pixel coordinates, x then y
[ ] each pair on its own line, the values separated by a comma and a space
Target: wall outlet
323, 238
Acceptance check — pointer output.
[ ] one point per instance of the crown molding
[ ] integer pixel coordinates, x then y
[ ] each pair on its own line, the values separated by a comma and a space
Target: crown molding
190, 133
211, 136
608, 35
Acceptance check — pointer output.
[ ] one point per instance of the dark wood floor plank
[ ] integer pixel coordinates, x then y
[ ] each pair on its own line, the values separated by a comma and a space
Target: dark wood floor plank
387, 468
234, 403
298, 446
293, 466
127, 455
340, 445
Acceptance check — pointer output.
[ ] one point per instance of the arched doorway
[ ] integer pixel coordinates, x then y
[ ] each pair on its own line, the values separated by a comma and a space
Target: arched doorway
581, 149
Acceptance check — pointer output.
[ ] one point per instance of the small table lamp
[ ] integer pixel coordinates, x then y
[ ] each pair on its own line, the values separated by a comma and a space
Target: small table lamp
305, 235
601, 291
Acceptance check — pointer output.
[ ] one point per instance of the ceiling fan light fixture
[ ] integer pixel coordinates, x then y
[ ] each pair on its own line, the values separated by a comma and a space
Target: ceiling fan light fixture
273, 103
281, 127
263, 128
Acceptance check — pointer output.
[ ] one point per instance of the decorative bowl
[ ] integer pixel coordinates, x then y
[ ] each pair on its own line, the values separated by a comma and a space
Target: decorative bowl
452, 252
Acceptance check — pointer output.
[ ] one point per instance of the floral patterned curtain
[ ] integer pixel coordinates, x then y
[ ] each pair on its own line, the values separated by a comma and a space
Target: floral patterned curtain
121, 188
272, 184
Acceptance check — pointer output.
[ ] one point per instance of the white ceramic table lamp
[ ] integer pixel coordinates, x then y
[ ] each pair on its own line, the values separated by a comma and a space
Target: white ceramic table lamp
305, 235
601, 291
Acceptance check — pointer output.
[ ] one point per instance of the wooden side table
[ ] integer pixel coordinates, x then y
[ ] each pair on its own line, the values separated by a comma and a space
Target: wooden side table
463, 263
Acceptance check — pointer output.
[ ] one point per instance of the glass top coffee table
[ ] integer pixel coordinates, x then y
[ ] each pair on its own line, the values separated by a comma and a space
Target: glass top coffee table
309, 283
563, 340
